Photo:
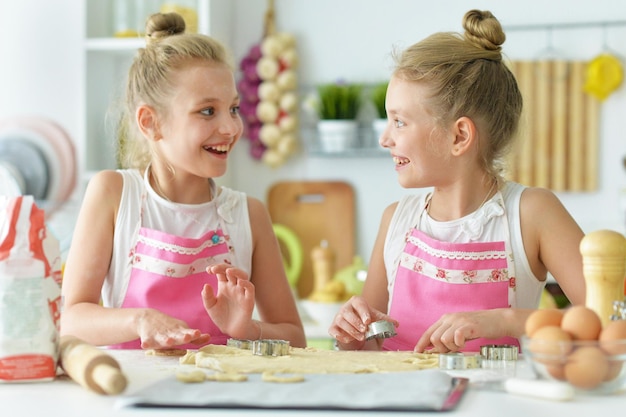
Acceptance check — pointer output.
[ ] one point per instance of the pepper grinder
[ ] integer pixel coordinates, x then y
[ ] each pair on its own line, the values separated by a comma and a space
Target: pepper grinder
604, 266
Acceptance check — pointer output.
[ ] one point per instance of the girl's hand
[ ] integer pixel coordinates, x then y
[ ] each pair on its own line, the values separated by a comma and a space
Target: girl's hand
350, 323
157, 330
451, 331
231, 308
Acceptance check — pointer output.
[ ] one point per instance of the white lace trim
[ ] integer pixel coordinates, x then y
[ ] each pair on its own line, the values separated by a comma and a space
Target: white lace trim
177, 248
427, 269
456, 255
172, 269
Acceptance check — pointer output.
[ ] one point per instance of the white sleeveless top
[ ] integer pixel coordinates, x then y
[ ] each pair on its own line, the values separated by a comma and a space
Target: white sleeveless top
481, 225
229, 208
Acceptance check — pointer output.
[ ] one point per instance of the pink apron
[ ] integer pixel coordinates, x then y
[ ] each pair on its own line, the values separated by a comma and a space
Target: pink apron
168, 274
436, 277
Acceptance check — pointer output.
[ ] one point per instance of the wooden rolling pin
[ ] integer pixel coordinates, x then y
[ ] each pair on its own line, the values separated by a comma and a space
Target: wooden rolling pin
91, 367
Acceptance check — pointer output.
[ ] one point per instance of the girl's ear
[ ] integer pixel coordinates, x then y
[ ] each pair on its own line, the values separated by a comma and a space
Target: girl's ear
464, 135
147, 122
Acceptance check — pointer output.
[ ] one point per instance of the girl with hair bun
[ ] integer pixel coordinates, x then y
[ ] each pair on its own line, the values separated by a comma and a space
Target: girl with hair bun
465, 264
161, 256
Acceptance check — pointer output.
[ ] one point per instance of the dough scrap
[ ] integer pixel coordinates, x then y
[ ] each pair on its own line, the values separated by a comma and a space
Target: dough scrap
192, 376
166, 352
227, 377
188, 358
272, 377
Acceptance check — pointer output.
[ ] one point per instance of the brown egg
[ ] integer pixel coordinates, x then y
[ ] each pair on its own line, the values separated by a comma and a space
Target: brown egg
615, 368
555, 370
542, 317
586, 367
582, 323
613, 337
549, 344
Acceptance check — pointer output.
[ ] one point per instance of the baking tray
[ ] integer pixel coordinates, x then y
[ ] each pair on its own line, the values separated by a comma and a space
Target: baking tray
425, 390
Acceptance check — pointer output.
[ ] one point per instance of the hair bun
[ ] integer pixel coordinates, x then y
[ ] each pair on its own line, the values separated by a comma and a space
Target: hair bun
162, 25
484, 30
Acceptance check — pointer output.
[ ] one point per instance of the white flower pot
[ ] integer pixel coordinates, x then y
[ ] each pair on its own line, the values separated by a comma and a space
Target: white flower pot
338, 135
378, 127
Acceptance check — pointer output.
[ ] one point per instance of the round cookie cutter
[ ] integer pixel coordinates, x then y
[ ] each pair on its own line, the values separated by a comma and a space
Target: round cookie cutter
458, 360
381, 329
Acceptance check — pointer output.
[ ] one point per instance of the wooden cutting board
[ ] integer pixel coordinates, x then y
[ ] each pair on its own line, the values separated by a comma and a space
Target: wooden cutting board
316, 211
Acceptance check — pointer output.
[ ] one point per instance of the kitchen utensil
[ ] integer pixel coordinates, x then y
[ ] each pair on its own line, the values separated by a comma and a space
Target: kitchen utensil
381, 329
459, 360
499, 352
548, 390
316, 211
91, 367
269, 347
604, 256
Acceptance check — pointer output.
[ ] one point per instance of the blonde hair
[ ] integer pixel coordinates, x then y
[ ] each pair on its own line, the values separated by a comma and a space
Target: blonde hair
468, 77
168, 48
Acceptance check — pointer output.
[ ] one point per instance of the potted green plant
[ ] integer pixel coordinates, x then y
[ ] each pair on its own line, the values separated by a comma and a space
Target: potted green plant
378, 95
337, 110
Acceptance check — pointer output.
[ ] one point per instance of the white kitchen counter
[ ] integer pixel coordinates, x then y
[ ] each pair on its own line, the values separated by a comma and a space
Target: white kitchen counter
63, 397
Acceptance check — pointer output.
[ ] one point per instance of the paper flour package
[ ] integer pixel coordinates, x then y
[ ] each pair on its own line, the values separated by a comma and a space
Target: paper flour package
30, 293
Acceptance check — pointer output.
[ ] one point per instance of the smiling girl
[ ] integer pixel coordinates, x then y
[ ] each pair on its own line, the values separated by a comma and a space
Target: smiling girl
161, 256
464, 265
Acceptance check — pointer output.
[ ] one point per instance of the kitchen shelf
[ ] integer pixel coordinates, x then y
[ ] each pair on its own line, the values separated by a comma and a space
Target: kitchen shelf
114, 44
350, 153
368, 146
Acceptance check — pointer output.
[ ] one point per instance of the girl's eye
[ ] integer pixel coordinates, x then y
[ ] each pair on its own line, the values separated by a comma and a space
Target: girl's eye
235, 110
208, 112
398, 123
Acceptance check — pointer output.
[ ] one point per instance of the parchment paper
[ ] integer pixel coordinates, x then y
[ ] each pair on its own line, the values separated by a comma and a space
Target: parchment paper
424, 390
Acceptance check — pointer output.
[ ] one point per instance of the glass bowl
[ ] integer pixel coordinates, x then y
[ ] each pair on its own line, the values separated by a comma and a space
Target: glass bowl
594, 367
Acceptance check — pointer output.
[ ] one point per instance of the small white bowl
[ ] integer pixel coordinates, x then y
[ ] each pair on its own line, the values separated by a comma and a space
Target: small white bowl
321, 313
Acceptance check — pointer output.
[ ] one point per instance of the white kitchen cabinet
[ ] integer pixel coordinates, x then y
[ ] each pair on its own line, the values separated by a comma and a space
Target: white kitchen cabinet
107, 60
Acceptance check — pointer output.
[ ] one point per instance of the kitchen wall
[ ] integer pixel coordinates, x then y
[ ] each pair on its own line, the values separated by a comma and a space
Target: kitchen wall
41, 73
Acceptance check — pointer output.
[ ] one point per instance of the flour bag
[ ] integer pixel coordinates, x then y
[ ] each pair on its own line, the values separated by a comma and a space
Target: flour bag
30, 293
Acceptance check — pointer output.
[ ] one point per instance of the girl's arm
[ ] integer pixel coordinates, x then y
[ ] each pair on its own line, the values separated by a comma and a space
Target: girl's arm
350, 325
86, 268
274, 298
552, 241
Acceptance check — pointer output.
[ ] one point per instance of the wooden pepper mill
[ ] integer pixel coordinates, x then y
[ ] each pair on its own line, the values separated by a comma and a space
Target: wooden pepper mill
91, 367
604, 267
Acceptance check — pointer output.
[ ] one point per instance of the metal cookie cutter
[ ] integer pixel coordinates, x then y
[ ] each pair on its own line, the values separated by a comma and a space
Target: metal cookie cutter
499, 352
381, 329
270, 347
458, 360
240, 343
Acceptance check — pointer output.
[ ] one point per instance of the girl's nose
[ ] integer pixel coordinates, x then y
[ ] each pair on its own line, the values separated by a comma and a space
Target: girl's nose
383, 139
231, 125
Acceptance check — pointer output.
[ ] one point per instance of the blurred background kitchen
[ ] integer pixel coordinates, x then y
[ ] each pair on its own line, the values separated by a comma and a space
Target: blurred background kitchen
62, 63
